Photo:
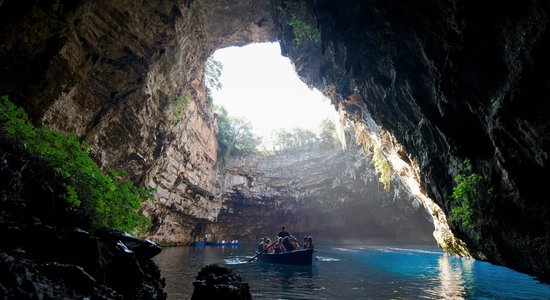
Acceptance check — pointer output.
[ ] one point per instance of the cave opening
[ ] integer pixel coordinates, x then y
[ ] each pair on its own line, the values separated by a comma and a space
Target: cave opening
322, 185
421, 77
256, 83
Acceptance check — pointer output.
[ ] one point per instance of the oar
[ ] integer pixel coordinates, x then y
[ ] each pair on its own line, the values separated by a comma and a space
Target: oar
272, 244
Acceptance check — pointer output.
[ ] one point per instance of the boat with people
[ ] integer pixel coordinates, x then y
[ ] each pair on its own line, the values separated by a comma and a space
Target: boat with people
286, 250
294, 257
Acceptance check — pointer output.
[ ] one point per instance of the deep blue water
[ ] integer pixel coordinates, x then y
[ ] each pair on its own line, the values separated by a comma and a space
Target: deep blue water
354, 273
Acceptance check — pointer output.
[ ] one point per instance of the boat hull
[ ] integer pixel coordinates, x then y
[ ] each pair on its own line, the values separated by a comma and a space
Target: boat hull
296, 257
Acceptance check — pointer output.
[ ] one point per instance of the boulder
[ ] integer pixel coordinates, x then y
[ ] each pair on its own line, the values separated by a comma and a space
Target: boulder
216, 282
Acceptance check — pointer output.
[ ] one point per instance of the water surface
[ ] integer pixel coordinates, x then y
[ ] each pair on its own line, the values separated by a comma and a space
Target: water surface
354, 273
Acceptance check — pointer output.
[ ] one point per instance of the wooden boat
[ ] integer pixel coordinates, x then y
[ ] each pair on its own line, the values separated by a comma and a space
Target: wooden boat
296, 257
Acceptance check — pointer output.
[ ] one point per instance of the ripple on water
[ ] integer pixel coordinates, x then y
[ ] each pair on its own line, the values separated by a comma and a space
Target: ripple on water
236, 260
322, 258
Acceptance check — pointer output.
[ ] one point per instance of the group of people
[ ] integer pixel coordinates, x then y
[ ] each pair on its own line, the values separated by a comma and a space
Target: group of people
285, 242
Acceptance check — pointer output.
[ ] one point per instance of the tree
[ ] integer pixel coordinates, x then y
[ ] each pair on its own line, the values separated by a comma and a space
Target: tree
235, 136
303, 137
212, 72
246, 142
328, 133
284, 140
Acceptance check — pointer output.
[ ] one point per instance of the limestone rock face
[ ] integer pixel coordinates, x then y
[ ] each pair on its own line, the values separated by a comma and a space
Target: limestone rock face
128, 79
432, 82
448, 81
331, 194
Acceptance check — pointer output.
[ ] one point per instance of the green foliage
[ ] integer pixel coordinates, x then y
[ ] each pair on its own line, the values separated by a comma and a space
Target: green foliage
303, 31
108, 199
298, 138
212, 72
328, 133
235, 136
470, 191
383, 168
301, 21
496, 105
179, 104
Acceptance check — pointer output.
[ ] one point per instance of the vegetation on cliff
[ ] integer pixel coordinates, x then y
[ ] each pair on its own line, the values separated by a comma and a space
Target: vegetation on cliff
470, 191
298, 138
301, 21
105, 198
235, 136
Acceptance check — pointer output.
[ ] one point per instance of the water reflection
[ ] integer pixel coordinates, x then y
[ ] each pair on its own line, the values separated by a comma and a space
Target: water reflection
286, 281
451, 283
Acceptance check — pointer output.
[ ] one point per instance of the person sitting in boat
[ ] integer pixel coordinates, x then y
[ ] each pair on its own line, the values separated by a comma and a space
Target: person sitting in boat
279, 247
304, 245
289, 244
261, 246
283, 233
268, 246
309, 242
294, 241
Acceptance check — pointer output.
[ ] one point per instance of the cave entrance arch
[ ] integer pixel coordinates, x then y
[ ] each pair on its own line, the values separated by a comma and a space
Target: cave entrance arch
111, 73
132, 75
317, 187
257, 83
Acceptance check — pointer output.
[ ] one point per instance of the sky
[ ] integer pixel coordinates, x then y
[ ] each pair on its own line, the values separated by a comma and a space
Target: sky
261, 85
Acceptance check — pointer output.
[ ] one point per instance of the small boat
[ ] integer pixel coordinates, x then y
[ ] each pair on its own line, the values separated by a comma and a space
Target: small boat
295, 257
198, 244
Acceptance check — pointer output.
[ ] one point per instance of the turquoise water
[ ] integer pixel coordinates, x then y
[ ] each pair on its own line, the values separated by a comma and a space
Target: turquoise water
354, 273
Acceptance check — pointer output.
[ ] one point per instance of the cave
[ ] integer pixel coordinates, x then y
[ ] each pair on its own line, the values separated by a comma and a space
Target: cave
430, 84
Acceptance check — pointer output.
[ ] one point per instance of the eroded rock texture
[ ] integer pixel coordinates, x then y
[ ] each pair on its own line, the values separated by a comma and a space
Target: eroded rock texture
449, 80
330, 194
433, 82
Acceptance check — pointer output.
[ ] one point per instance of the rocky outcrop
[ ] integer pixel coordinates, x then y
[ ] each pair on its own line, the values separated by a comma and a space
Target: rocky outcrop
433, 82
331, 194
128, 80
43, 255
215, 282
448, 81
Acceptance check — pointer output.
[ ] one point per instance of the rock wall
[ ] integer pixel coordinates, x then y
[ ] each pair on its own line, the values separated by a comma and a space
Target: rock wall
50, 251
331, 194
128, 79
447, 81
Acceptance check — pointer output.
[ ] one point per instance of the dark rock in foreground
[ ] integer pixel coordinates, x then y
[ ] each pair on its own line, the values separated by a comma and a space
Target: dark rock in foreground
43, 255
215, 282
40, 261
